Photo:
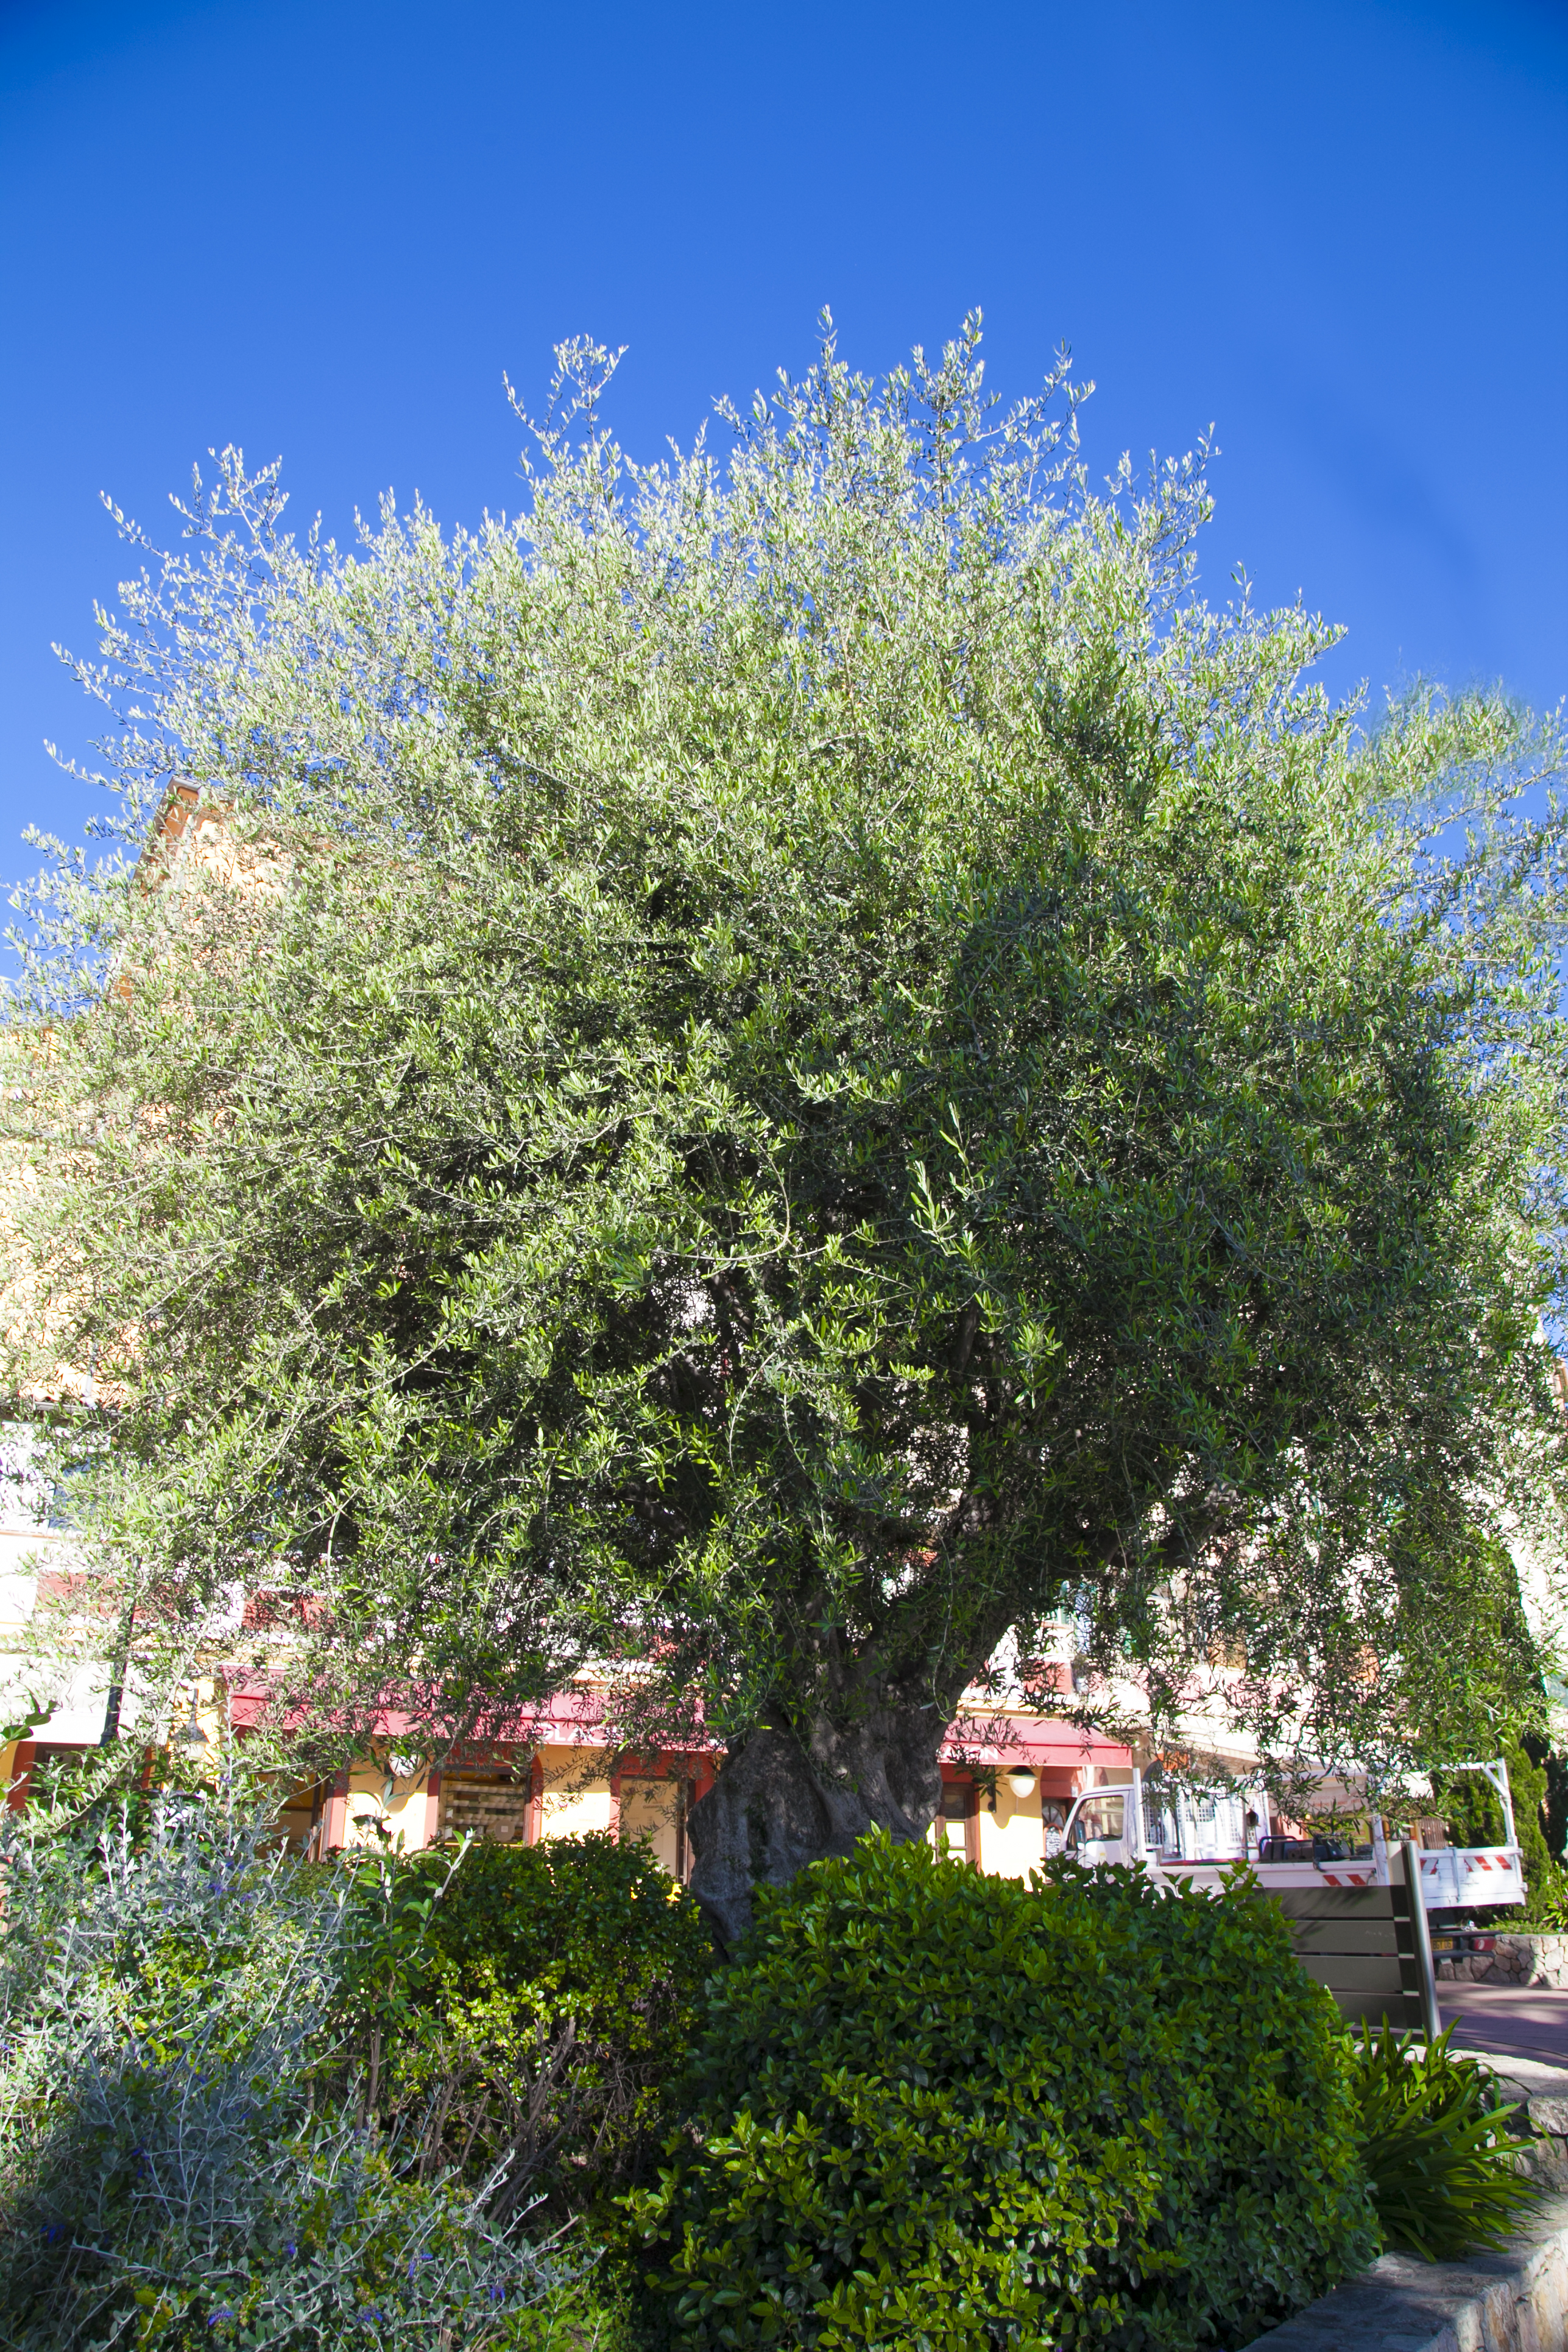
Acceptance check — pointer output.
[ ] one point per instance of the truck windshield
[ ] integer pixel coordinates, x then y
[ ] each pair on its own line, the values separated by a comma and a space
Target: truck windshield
1099, 1818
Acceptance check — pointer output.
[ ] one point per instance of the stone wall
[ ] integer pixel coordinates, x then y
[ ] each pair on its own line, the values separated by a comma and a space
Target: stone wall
1517, 1959
1547, 2115
1513, 2301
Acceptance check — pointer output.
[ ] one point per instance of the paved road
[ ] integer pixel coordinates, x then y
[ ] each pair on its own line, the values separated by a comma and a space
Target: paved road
1531, 2020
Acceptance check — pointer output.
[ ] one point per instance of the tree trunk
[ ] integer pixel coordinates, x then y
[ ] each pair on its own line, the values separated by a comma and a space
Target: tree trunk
779, 1803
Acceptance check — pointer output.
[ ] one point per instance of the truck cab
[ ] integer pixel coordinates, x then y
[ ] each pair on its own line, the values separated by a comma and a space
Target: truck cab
1106, 1825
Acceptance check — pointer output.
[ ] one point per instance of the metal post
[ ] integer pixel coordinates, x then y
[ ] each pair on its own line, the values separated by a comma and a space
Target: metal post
1265, 1819
118, 1672
1431, 2021
1498, 1775
1379, 1850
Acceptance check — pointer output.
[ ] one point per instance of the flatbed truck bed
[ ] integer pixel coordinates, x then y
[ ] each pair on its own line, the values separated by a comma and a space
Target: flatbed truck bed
1109, 1825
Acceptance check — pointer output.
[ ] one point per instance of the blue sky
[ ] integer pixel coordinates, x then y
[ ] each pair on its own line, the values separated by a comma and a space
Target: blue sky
1338, 232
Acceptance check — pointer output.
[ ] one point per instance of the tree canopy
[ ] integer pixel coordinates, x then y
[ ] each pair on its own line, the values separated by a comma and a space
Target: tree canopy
794, 1059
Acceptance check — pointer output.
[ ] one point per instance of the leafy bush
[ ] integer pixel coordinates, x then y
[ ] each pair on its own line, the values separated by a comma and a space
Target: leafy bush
528, 2010
1436, 2147
169, 2173
940, 2108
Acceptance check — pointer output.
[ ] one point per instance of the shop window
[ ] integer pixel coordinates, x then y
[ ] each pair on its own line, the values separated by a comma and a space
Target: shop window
484, 1802
958, 1805
299, 1815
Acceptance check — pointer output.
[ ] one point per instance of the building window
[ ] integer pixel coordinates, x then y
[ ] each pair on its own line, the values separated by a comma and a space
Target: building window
492, 1803
957, 1824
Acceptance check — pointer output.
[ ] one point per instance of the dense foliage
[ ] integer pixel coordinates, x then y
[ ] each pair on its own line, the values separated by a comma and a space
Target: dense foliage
528, 2008
1437, 2148
1471, 1671
933, 2106
245, 2101
785, 1063
174, 2170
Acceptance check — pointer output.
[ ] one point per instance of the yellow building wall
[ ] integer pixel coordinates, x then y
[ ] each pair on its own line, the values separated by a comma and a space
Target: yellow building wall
573, 1802
369, 1813
1011, 1841
1006, 1842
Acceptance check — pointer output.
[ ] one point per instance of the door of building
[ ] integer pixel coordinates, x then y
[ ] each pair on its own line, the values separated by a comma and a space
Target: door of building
654, 1807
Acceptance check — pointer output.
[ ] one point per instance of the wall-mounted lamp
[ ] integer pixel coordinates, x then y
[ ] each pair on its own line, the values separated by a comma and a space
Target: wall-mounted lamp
1021, 1782
191, 1734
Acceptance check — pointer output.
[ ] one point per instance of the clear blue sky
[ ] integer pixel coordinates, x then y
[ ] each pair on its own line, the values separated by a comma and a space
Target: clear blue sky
1340, 232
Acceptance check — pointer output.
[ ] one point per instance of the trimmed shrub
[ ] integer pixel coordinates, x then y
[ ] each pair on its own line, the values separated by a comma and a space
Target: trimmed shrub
529, 2008
940, 2109
1437, 2148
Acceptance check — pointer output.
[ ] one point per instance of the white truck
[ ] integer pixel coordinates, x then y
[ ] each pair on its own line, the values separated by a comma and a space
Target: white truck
1171, 1835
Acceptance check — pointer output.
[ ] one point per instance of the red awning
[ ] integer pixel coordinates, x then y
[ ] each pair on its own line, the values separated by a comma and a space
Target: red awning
1038, 1742
575, 1719
571, 1718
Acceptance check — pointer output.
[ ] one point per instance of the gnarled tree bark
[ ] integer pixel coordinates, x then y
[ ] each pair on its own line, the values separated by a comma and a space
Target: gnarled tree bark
780, 1802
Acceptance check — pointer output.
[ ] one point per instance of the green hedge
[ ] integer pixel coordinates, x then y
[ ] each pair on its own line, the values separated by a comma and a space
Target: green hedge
531, 2006
936, 2108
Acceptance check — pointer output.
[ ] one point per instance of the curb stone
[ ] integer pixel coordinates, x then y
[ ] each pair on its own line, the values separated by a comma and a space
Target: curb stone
1513, 2301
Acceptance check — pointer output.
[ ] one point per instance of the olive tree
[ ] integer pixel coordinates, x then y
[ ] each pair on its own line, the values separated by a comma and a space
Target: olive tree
792, 1062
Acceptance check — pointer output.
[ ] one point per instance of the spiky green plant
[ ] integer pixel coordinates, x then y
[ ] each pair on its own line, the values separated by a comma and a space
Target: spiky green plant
1439, 2150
